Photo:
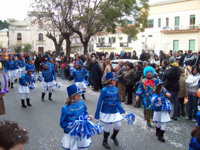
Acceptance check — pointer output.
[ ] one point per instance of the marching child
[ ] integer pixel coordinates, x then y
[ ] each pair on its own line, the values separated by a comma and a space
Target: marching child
71, 111
49, 76
109, 109
10, 67
162, 107
21, 64
79, 77
24, 81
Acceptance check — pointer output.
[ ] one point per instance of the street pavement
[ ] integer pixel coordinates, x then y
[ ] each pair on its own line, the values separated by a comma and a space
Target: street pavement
42, 123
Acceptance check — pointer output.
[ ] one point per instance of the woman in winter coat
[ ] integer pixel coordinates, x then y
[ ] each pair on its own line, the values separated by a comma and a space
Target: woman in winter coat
192, 83
183, 91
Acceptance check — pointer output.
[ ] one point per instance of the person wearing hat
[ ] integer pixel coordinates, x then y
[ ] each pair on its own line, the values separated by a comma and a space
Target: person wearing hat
145, 92
172, 75
30, 65
162, 107
109, 109
71, 111
49, 76
21, 64
10, 67
24, 81
79, 77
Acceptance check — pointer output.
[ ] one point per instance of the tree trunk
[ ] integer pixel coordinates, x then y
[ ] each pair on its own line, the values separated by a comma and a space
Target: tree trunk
68, 46
85, 45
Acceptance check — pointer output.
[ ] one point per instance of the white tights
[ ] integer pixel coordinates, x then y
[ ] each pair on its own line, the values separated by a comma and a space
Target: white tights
162, 126
49, 88
25, 95
107, 126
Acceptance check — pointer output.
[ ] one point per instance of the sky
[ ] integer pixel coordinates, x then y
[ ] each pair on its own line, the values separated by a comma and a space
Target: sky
17, 9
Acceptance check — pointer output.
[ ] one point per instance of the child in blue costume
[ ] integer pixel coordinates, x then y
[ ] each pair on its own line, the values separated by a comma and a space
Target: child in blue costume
10, 67
24, 81
162, 108
49, 76
195, 140
16, 68
21, 64
71, 111
79, 77
109, 109
30, 65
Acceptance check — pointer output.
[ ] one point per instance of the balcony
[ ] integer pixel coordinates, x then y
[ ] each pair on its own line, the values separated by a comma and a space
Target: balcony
103, 44
180, 29
124, 44
40, 42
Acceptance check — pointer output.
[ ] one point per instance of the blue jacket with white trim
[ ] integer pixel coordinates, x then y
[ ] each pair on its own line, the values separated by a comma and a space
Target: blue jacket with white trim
21, 64
49, 75
71, 113
10, 65
30, 66
25, 78
79, 75
109, 102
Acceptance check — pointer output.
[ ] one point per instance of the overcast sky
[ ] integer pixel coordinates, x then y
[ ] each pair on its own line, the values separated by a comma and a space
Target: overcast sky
17, 9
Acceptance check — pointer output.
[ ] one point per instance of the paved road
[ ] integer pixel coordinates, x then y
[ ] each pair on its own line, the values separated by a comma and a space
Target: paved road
42, 122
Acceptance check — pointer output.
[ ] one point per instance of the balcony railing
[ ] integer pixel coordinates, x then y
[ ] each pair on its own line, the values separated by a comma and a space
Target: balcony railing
40, 42
125, 44
180, 29
104, 45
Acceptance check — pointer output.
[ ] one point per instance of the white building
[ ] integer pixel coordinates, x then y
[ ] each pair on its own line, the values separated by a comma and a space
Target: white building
172, 25
4, 38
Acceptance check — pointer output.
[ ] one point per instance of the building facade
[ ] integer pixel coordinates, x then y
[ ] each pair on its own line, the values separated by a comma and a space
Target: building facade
4, 38
172, 25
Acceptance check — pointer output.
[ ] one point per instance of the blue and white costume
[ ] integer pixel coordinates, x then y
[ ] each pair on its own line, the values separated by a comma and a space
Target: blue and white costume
161, 114
24, 82
10, 67
79, 78
109, 106
21, 65
109, 110
16, 68
162, 107
49, 76
69, 114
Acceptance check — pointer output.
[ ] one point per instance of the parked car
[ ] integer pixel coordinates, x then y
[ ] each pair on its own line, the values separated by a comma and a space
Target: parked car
116, 61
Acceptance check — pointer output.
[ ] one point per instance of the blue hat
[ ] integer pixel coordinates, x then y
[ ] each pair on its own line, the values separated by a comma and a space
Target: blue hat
79, 63
110, 75
73, 90
158, 81
45, 64
10, 55
19, 55
198, 119
149, 69
49, 58
29, 58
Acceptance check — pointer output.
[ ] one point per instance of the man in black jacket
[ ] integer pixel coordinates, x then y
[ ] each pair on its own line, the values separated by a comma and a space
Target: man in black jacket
172, 76
143, 56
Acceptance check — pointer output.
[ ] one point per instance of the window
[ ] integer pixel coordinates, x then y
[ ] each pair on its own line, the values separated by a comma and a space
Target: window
129, 39
150, 35
177, 23
19, 36
40, 37
176, 45
159, 22
167, 22
113, 39
150, 23
192, 45
192, 19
